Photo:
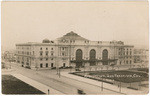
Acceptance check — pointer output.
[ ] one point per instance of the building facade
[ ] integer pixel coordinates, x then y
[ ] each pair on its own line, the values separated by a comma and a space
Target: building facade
8, 56
73, 50
141, 56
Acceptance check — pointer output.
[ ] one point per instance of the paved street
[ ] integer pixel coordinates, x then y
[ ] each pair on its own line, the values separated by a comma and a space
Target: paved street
63, 84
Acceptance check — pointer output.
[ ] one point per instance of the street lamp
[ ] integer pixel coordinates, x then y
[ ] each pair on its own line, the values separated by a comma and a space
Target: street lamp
57, 69
84, 68
120, 87
102, 84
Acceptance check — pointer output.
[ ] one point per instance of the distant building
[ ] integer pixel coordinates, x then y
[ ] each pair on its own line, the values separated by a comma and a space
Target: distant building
8, 56
73, 50
141, 56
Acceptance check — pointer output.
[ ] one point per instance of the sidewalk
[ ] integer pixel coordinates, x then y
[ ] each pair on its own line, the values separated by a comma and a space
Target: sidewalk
105, 85
38, 85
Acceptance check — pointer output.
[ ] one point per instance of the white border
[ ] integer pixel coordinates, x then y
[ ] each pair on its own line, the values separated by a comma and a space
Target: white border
72, 0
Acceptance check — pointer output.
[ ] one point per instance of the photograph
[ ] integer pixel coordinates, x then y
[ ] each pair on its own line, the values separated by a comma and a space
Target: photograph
75, 47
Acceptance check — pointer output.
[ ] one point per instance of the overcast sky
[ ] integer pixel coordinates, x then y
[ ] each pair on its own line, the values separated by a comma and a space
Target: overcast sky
34, 21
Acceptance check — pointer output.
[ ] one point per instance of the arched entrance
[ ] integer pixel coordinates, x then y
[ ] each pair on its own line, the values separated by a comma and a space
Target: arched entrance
92, 57
79, 58
105, 57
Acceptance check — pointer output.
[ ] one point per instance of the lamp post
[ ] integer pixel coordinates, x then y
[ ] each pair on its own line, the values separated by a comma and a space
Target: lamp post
57, 59
59, 72
84, 68
58, 69
102, 84
120, 87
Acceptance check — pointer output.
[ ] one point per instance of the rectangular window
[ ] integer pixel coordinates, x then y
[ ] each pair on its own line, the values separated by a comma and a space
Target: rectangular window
51, 48
46, 64
64, 64
46, 59
52, 54
41, 59
130, 53
51, 58
52, 65
41, 53
63, 48
41, 65
46, 53
130, 61
63, 54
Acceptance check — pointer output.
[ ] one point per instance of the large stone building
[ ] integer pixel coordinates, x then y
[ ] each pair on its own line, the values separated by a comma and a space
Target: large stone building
73, 50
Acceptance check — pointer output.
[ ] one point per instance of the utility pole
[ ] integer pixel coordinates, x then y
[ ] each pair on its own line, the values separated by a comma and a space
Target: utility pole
59, 72
120, 87
102, 84
57, 58
84, 68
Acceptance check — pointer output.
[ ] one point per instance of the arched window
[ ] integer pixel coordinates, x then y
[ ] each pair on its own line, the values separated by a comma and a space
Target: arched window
105, 54
105, 57
79, 54
93, 54
79, 58
92, 57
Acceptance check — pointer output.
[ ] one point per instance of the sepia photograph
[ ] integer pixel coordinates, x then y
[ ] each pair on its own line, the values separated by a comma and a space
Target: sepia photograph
75, 47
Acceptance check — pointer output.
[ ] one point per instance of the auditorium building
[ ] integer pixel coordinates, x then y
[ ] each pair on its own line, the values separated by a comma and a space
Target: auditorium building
73, 50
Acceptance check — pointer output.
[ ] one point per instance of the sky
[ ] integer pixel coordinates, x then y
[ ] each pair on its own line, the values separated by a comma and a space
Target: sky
24, 22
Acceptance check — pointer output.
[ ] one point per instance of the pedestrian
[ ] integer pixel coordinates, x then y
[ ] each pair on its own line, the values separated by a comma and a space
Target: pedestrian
48, 91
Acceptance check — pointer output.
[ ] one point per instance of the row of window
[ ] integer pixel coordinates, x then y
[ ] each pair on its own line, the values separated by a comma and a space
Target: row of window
52, 65
127, 62
124, 49
41, 54
128, 57
46, 65
23, 47
120, 53
67, 41
45, 59
23, 52
45, 48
